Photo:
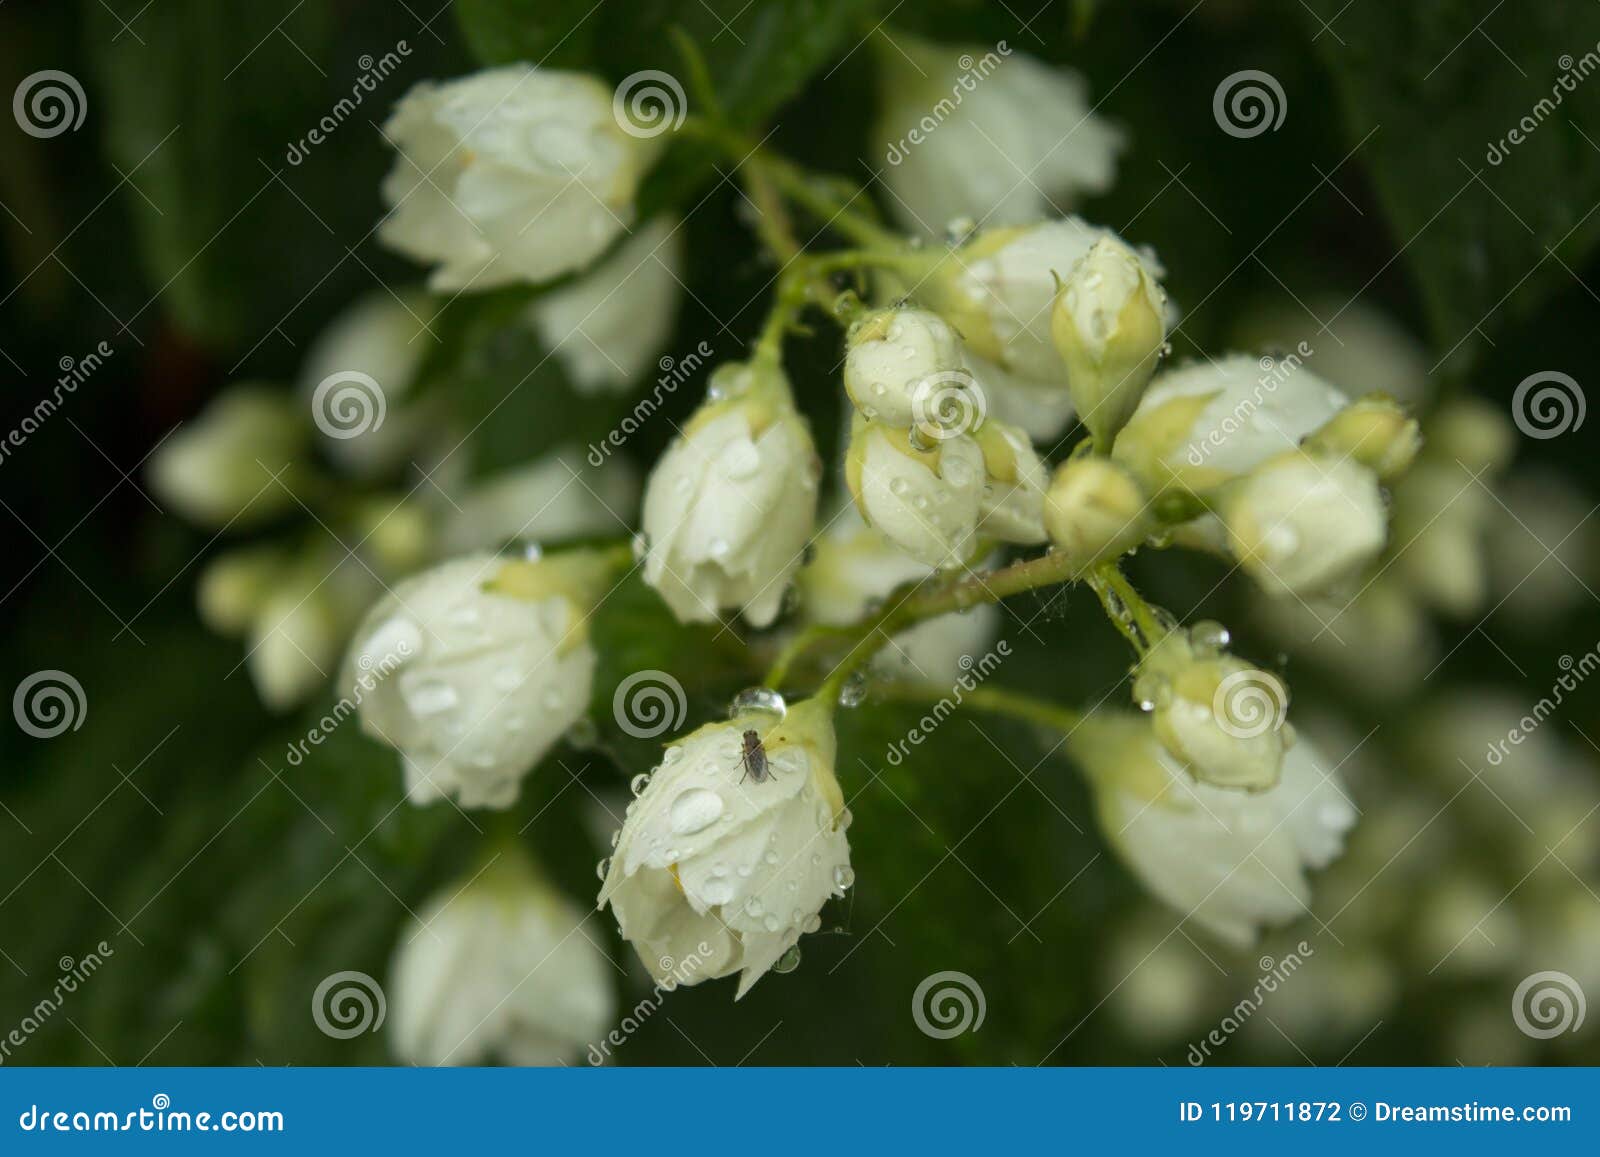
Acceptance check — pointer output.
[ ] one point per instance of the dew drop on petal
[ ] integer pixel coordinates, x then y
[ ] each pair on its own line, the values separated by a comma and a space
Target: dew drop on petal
843, 876
789, 961
640, 782
694, 810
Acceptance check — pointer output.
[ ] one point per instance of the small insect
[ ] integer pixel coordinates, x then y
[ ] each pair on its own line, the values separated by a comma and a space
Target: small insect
754, 758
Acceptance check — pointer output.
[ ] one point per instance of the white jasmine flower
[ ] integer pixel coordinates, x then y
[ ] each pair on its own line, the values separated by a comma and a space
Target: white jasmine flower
1301, 524
1109, 327
237, 463
985, 133
1011, 508
511, 174
727, 868
1095, 510
729, 507
478, 667
607, 326
1223, 717
1230, 860
1206, 422
897, 360
853, 567
498, 967
926, 502
999, 290
559, 496
382, 338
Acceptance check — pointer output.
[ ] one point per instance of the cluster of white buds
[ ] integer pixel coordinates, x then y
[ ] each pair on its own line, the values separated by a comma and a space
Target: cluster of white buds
1095, 510
928, 466
730, 506
732, 847
1289, 466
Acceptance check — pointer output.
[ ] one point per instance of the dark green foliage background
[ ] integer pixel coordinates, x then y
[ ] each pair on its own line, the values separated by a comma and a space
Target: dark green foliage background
229, 882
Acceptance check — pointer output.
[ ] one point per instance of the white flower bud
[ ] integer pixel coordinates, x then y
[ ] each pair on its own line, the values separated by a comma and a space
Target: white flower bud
498, 967
1206, 422
1372, 431
510, 174
1109, 327
238, 463
926, 502
607, 326
1012, 506
1441, 521
999, 114
727, 868
1471, 432
1230, 860
1301, 524
1221, 716
396, 532
559, 496
999, 291
234, 586
895, 359
357, 378
729, 507
295, 640
853, 567
474, 669
1095, 510
1040, 409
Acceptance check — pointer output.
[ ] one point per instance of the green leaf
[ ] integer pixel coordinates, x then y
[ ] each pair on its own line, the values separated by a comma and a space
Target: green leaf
556, 33
1431, 94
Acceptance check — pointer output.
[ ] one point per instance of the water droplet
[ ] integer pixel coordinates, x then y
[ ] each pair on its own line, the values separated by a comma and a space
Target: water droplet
843, 877
754, 907
854, 691
603, 868
789, 961
1210, 635
717, 889
640, 782
771, 923
429, 697
695, 809
812, 922
760, 700
641, 547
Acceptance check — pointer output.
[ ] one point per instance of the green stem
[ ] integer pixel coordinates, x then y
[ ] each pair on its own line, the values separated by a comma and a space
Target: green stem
1139, 622
995, 700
